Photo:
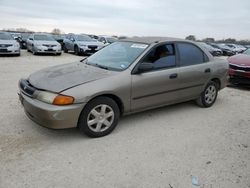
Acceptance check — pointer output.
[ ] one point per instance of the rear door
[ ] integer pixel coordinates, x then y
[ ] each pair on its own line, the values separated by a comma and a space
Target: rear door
194, 69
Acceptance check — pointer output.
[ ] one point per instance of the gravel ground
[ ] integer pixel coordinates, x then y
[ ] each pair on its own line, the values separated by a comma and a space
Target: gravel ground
159, 148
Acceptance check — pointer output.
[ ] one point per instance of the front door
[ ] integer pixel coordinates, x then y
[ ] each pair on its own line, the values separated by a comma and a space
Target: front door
157, 86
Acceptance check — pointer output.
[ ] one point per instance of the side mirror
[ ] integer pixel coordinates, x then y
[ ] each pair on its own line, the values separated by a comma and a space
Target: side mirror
30, 38
144, 67
73, 40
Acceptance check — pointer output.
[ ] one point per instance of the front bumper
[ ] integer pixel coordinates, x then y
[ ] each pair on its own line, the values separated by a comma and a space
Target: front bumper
239, 77
10, 50
89, 49
52, 50
51, 116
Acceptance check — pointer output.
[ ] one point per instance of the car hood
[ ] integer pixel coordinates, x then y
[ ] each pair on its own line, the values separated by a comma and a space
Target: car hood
240, 59
94, 43
62, 77
7, 41
40, 42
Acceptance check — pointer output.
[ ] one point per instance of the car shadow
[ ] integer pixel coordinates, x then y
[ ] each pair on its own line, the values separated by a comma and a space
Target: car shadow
244, 87
9, 55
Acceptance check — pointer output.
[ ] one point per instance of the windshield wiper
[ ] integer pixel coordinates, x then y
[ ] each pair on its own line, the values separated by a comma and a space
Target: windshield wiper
101, 66
98, 65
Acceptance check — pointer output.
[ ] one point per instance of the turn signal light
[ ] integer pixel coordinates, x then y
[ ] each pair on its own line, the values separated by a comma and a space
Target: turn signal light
63, 100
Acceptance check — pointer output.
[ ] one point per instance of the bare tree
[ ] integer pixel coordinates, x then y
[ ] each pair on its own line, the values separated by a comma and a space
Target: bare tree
191, 37
56, 31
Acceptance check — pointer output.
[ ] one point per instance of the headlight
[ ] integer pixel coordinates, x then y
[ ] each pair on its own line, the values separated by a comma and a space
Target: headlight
39, 45
55, 99
83, 45
16, 45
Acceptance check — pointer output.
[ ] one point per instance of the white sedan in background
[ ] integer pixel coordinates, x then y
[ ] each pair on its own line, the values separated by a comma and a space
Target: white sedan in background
8, 45
43, 43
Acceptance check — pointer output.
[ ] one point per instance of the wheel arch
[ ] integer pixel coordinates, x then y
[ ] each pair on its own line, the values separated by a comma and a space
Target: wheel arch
114, 97
217, 81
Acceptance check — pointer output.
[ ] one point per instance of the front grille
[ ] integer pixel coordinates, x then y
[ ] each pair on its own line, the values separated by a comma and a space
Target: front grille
49, 46
242, 68
26, 87
5, 45
4, 50
92, 47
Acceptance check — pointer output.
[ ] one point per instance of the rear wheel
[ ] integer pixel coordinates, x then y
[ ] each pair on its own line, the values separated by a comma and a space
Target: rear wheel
99, 117
209, 95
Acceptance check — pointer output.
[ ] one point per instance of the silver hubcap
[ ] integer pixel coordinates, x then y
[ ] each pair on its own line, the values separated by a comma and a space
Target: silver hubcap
210, 94
100, 118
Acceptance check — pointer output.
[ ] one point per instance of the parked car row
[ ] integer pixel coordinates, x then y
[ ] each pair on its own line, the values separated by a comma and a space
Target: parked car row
54, 44
82, 44
223, 49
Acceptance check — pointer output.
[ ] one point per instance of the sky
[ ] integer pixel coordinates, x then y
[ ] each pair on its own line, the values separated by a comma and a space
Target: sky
219, 19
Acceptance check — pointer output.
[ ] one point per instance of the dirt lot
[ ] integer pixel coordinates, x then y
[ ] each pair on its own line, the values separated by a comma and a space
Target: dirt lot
160, 148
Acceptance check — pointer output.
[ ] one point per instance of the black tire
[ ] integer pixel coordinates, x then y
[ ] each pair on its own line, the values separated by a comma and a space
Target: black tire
65, 49
76, 50
86, 114
210, 90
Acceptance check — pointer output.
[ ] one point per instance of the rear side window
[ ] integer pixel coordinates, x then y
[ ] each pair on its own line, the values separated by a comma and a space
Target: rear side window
190, 54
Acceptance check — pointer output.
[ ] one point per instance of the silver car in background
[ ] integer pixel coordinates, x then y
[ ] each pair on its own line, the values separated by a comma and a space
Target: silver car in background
107, 39
8, 45
125, 77
43, 43
81, 44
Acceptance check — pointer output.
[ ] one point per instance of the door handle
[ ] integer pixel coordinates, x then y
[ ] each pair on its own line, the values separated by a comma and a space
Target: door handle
173, 76
207, 70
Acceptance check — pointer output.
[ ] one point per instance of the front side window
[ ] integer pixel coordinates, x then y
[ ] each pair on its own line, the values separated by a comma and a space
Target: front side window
117, 56
162, 56
190, 54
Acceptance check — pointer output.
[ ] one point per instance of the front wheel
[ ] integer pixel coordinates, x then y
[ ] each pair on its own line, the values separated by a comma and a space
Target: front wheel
65, 49
209, 95
76, 50
99, 117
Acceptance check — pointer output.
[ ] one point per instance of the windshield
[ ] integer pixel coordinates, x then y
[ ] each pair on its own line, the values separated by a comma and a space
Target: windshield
5, 36
25, 36
84, 38
117, 56
111, 40
247, 52
43, 37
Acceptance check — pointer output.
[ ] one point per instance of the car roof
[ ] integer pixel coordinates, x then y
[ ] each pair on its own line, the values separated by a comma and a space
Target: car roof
151, 40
